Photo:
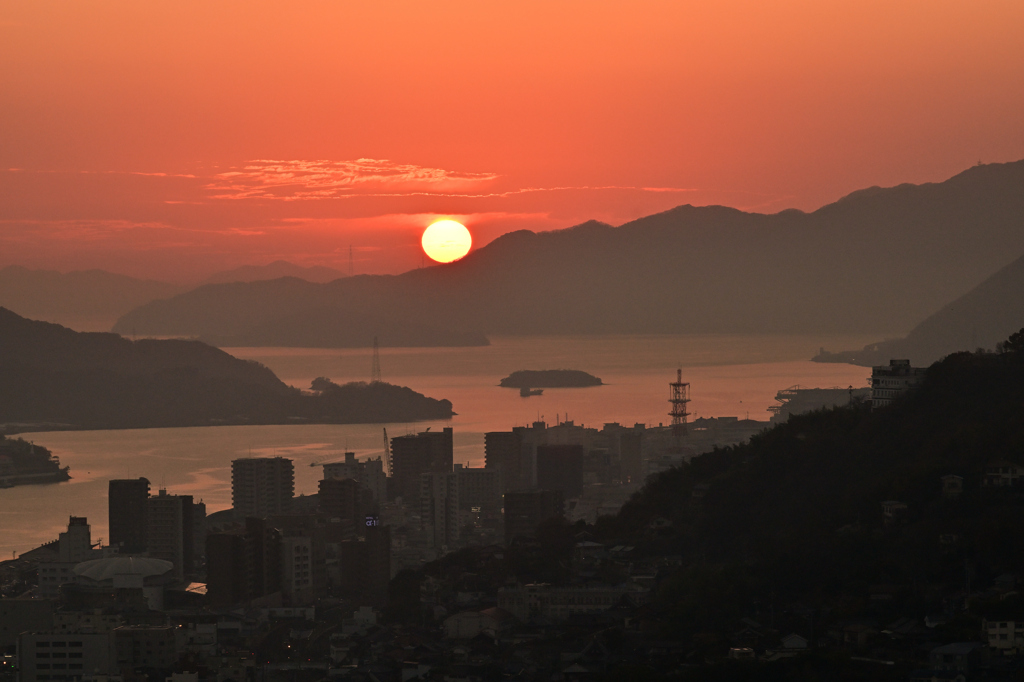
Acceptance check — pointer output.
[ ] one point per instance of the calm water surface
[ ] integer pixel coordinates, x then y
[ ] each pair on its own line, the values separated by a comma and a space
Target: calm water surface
730, 375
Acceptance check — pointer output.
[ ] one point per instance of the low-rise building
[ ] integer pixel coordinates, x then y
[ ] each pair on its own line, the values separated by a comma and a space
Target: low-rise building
1004, 636
1002, 473
65, 656
558, 603
889, 382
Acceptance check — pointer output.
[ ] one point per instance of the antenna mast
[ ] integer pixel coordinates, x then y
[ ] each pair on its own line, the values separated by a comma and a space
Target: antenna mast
679, 397
375, 367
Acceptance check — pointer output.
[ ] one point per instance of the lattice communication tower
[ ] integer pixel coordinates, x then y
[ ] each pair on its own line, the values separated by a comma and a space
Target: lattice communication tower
679, 397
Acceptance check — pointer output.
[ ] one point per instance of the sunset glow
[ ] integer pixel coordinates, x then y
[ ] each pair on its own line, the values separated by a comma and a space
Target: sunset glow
173, 139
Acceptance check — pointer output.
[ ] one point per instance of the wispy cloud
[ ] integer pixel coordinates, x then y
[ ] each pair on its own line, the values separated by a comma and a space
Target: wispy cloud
321, 179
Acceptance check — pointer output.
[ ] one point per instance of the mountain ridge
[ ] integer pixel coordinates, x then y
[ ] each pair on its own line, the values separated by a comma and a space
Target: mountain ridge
55, 377
871, 261
981, 318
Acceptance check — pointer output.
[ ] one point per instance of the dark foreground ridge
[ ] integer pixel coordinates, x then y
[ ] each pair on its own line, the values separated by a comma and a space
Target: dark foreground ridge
872, 542
52, 377
550, 378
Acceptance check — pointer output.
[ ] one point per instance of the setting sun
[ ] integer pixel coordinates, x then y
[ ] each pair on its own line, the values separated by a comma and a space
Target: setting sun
446, 241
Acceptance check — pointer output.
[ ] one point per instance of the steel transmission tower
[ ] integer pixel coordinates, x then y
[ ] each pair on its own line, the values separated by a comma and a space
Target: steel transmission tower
375, 367
679, 397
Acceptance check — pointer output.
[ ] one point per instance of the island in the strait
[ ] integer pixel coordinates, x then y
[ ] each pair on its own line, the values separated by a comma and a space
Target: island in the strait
550, 378
23, 463
53, 378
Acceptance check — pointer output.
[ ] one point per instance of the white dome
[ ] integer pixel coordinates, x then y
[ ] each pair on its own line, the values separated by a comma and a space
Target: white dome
105, 569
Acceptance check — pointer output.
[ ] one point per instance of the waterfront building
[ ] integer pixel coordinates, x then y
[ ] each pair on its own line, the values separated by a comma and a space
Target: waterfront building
262, 486
422, 453
127, 509
889, 382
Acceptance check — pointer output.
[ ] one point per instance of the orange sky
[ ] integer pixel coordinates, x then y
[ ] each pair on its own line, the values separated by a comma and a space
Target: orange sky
172, 139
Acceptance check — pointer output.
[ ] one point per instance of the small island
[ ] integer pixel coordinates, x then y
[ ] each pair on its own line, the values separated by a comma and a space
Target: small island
550, 378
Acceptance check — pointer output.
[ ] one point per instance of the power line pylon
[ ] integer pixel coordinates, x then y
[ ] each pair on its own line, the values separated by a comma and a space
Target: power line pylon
679, 397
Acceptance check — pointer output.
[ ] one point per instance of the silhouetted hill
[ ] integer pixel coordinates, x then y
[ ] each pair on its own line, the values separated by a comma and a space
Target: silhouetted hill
88, 300
53, 375
796, 515
878, 259
981, 318
275, 270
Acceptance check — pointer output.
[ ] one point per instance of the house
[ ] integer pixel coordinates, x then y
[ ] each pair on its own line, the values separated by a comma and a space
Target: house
937, 676
1004, 636
892, 509
952, 486
1002, 473
959, 656
794, 641
470, 624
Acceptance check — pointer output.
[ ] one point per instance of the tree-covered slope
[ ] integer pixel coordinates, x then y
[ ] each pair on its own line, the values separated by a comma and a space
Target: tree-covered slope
796, 515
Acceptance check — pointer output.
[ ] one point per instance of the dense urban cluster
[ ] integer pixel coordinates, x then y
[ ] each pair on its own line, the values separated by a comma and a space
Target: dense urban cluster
574, 553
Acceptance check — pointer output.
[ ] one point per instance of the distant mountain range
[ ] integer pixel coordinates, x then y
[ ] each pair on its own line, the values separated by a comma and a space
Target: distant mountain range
286, 312
53, 377
88, 300
93, 300
879, 259
275, 270
981, 318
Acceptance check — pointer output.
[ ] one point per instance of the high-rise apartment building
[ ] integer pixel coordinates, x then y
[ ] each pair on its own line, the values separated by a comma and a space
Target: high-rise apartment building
504, 452
412, 456
480, 490
243, 565
262, 486
346, 499
126, 509
170, 534
365, 567
439, 508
